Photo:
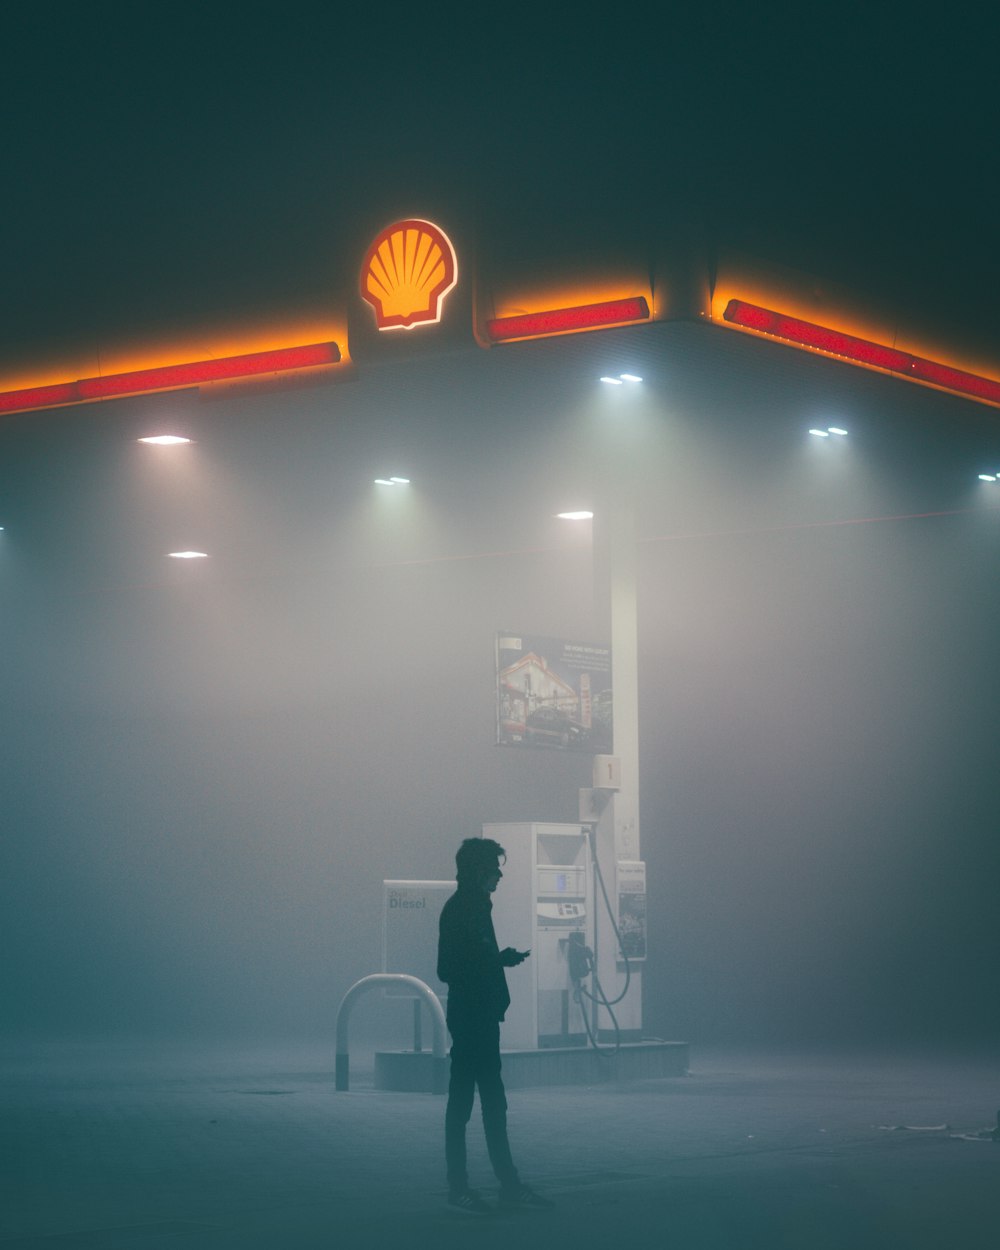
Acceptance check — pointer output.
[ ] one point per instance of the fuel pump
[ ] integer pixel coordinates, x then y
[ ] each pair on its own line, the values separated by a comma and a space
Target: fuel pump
554, 900
582, 964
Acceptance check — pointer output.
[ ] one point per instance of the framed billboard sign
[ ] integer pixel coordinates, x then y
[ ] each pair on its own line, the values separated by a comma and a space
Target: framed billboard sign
553, 693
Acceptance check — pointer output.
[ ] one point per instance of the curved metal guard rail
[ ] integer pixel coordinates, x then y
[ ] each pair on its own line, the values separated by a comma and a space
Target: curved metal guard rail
343, 1072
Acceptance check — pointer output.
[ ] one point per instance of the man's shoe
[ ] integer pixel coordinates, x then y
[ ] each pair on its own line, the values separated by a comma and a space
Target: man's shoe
524, 1196
470, 1201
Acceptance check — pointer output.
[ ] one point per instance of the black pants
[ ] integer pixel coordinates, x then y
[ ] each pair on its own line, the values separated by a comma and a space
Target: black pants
475, 1060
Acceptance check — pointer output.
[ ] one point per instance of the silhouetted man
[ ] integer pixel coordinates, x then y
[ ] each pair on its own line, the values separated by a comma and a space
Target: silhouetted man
472, 965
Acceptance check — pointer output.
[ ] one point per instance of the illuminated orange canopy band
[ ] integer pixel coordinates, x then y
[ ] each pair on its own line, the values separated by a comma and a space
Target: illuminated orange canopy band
169, 377
407, 272
562, 320
860, 351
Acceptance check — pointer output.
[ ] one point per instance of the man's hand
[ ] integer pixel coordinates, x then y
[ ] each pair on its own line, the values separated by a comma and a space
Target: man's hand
510, 958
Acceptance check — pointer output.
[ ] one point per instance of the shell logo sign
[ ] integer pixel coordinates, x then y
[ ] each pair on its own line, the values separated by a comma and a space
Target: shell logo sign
407, 273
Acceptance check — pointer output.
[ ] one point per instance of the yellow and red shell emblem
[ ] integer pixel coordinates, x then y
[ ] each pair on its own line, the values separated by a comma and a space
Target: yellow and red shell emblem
407, 272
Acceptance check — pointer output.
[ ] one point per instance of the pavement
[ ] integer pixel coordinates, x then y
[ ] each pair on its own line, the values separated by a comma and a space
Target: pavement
132, 1145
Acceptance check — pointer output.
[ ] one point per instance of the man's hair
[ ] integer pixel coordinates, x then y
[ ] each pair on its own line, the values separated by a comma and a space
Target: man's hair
477, 855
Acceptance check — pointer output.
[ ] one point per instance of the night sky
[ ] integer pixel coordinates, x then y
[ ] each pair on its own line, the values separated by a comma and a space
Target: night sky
161, 156
203, 804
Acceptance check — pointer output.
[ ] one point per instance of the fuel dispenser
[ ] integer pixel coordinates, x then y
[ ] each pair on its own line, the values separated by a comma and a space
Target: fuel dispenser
555, 901
544, 898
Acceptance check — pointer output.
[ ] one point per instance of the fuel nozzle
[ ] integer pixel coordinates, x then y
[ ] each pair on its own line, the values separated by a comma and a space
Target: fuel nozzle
580, 957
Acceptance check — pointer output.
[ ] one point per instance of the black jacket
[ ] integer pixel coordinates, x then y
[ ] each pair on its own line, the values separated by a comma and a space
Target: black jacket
469, 960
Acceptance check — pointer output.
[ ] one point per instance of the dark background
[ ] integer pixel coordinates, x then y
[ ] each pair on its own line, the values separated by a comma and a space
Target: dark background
209, 770
174, 157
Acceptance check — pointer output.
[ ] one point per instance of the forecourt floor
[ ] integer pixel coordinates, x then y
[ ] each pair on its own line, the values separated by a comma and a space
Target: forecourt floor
184, 1146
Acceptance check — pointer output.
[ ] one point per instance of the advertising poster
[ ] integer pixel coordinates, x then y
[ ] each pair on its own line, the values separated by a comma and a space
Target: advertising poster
553, 694
632, 907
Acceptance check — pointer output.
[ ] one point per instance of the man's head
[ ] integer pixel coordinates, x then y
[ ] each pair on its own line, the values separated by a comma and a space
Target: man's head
477, 863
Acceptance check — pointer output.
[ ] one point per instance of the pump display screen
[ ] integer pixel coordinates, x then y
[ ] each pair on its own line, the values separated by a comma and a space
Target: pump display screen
562, 879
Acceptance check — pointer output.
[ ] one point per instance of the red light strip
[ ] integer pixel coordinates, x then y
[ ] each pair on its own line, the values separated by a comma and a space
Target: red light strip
956, 379
170, 377
861, 351
558, 320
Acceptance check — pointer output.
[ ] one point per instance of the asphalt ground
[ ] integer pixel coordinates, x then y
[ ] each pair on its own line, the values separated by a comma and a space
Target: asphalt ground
195, 1146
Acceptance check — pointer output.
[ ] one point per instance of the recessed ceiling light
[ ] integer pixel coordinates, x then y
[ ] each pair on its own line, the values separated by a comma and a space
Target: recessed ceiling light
820, 433
165, 440
613, 381
833, 429
188, 555
574, 516
630, 377
987, 477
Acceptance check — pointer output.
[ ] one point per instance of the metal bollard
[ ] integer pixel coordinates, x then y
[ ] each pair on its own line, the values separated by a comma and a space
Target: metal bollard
342, 1073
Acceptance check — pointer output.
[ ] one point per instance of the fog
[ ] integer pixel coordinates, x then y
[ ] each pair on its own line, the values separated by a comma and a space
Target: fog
210, 766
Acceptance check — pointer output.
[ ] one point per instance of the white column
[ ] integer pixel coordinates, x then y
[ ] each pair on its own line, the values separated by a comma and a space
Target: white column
618, 828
